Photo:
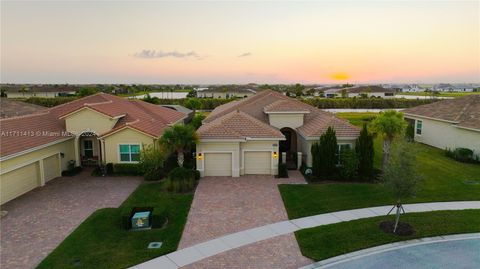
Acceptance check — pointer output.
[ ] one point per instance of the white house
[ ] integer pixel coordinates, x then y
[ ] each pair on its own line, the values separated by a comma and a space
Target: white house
453, 123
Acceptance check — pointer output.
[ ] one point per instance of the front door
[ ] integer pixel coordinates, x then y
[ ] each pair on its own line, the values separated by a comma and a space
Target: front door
88, 148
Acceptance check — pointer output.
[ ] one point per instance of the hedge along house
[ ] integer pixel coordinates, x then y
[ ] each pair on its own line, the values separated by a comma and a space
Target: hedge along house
249, 136
451, 124
94, 130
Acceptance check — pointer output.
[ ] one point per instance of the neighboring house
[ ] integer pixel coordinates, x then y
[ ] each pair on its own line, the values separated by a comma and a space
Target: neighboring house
219, 92
94, 130
370, 91
249, 136
453, 123
454, 88
11, 108
46, 91
188, 112
360, 92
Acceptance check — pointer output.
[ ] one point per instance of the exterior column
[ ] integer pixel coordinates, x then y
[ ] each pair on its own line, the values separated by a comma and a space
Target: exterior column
77, 151
299, 160
42, 173
284, 157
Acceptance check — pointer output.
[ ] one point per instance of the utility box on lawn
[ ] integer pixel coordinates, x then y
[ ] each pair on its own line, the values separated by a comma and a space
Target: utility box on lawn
141, 220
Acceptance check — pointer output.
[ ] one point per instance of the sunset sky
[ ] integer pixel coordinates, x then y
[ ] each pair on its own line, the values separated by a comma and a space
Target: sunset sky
240, 42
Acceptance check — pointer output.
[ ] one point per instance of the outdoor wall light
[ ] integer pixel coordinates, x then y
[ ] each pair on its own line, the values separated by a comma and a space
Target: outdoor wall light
62, 154
275, 155
199, 156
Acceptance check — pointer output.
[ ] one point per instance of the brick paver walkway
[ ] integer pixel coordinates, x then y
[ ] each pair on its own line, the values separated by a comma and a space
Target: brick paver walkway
39, 220
224, 205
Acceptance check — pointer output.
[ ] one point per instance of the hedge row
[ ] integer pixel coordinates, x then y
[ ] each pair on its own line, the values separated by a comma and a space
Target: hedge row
50, 102
212, 103
378, 103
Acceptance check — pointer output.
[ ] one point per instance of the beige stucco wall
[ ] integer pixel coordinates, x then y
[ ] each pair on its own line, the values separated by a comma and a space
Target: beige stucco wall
125, 136
237, 149
444, 135
65, 147
282, 120
233, 147
89, 120
270, 145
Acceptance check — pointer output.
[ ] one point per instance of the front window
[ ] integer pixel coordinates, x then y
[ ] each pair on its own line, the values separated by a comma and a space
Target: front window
129, 153
419, 127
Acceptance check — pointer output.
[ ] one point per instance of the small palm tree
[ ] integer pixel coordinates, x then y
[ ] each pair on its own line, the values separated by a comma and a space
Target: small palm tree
179, 138
389, 124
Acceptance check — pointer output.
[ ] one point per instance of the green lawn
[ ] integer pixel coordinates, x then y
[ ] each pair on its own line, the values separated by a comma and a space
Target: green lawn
443, 180
335, 239
102, 242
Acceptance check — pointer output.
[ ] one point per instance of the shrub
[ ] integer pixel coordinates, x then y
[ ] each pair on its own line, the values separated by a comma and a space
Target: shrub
197, 121
324, 154
97, 172
109, 168
181, 179
126, 169
170, 163
151, 162
463, 155
350, 162
365, 153
282, 170
410, 133
72, 171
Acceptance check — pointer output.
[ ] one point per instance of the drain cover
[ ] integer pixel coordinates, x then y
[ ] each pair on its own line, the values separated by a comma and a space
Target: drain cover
155, 244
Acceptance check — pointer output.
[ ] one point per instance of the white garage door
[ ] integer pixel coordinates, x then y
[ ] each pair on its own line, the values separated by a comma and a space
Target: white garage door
257, 162
218, 164
19, 181
51, 167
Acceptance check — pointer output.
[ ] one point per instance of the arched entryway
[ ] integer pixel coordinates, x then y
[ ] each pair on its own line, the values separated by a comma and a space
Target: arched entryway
289, 146
90, 149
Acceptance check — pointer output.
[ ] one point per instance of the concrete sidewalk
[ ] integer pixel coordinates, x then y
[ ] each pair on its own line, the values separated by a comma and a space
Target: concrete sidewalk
229, 242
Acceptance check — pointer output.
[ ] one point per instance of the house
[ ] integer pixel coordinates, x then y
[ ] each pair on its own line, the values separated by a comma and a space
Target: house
370, 92
11, 108
45, 91
444, 87
452, 123
249, 136
188, 112
94, 130
225, 93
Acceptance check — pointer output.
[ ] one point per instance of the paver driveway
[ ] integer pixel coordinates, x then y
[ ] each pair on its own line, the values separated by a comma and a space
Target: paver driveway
224, 205
39, 220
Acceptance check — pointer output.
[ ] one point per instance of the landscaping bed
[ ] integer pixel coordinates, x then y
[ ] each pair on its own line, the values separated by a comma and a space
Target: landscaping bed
327, 241
102, 241
444, 179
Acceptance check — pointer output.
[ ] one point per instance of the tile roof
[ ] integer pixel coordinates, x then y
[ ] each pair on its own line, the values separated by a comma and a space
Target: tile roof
11, 108
238, 125
144, 117
315, 122
463, 111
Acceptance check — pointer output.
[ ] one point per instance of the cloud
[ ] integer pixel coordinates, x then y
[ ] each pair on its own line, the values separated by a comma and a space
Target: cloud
151, 54
246, 54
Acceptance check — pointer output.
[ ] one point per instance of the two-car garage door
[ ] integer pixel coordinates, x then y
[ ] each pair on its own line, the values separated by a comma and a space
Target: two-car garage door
27, 178
255, 163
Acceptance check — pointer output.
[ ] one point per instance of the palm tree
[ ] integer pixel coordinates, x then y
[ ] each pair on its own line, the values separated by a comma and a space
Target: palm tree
388, 124
179, 138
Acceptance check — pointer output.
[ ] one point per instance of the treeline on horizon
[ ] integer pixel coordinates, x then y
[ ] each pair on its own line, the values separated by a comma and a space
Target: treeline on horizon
212, 103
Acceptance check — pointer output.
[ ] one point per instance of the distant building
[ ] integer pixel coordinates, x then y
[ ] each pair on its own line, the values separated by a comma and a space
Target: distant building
453, 88
359, 92
182, 109
46, 91
220, 92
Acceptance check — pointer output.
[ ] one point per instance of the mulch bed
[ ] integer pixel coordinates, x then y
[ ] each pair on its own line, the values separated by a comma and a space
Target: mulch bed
403, 229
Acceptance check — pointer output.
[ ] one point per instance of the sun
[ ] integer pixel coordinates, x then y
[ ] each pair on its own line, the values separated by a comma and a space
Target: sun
340, 76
